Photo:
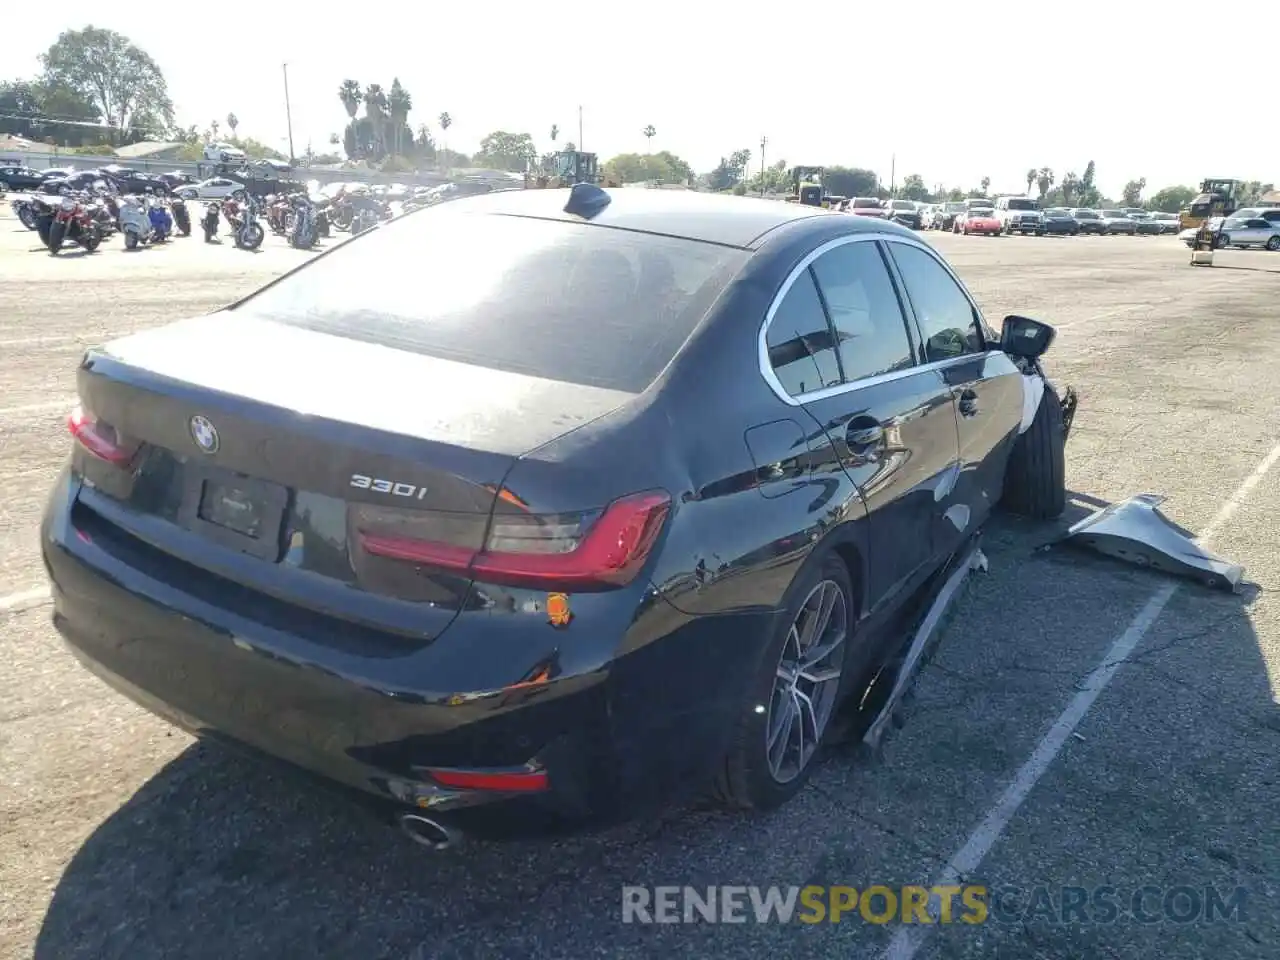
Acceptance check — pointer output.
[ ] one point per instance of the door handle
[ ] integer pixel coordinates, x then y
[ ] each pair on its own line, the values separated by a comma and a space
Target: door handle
865, 438
968, 404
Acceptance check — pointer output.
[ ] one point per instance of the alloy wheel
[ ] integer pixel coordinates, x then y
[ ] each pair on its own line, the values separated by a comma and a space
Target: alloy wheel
807, 680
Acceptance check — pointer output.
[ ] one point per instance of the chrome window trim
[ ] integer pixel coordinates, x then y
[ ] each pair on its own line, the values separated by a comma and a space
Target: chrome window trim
762, 345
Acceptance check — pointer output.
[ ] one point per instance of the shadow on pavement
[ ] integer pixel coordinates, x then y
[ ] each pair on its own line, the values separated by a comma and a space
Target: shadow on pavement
219, 856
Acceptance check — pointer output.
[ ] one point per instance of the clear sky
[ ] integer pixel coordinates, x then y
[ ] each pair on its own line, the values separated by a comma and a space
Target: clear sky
957, 91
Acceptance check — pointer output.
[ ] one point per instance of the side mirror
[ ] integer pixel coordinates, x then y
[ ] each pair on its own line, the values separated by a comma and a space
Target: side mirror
1024, 337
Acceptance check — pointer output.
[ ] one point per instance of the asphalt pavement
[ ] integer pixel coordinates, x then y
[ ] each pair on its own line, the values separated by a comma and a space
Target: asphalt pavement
1086, 729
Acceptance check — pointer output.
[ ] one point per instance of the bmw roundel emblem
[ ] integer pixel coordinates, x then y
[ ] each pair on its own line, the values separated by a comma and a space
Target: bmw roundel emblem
204, 434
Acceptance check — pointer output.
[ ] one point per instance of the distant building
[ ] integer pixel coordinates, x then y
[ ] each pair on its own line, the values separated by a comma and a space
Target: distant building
1271, 199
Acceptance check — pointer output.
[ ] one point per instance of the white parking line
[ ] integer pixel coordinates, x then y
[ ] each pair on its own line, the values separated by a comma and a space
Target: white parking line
908, 940
25, 599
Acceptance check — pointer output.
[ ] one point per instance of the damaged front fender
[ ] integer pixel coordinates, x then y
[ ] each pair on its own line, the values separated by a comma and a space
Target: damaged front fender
1134, 530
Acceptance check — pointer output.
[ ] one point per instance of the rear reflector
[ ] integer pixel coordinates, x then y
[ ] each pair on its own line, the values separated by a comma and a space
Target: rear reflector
501, 781
101, 439
591, 550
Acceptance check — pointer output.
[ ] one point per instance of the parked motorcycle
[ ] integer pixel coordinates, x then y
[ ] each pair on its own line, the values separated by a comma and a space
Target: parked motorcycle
249, 233
161, 221
181, 216
209, 223
74, 222
365, 218
136, 223
302, 233
278, 210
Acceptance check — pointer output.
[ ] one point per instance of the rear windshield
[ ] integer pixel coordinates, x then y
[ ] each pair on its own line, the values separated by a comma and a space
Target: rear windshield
1086, 214
903, 205
558, 300
1021, 203
864, 202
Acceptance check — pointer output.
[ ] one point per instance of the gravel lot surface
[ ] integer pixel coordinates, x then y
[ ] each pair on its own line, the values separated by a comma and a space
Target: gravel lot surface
121, 837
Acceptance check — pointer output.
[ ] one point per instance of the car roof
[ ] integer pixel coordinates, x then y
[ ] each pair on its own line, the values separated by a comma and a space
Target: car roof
711, 218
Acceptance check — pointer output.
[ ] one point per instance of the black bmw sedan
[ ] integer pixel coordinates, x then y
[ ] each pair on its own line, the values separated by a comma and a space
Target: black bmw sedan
549, 500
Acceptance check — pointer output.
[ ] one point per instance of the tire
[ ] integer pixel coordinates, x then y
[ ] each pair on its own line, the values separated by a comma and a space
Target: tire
57, 231
748, 780
1035, 483
43, 225
27, 217
90, 243
130, 240
1223, 241
1273, 243
250, 238
4, 186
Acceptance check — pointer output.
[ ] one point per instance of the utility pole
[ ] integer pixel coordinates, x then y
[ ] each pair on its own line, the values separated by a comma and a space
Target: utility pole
893, 175
288, 113
763, 142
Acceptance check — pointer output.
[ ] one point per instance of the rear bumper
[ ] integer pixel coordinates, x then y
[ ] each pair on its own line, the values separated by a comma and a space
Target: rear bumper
612, 739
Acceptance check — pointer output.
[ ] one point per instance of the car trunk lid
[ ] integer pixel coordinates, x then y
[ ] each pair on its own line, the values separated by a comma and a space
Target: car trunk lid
271, 456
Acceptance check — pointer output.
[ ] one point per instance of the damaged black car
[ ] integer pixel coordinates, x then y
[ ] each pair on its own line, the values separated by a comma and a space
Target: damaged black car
597, 498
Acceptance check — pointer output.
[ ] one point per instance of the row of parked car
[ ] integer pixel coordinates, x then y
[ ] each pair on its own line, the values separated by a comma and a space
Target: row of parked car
1013, 215
1247, 227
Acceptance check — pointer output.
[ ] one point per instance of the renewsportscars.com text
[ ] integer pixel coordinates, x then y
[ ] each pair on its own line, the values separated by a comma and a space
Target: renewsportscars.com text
968, 904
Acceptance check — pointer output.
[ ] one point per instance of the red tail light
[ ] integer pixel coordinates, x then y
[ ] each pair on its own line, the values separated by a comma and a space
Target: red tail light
501, 781
101, 439
593, 550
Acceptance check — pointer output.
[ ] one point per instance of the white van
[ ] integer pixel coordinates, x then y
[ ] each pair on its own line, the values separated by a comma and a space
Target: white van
1018, 214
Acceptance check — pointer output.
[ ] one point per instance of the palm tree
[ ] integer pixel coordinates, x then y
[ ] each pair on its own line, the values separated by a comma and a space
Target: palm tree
555, 132
1031, 177
375, 111
399, 103
1044, 180
349, 94
446, 122
649, 133
1070, 184
214, 127
232, 122
986, 185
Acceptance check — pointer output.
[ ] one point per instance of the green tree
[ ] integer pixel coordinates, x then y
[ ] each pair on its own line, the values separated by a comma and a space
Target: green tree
848, 181
985, 184
399, 103
119, 78
1031, 178
740, 160
375, 112
1088, 189
774, 179
1070, 187
349, 93
913, 188
724, 176
649, 133
1172, 199
555, 132
664, 166
501, 150
1044, 180
232, 123
23, 104
1132, 192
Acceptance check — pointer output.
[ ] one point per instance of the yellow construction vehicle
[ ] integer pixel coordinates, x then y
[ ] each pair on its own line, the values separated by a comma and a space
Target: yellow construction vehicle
807, 188
566, 168
1217, 198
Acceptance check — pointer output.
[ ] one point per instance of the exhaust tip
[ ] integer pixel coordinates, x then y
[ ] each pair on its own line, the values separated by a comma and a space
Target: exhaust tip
429, 833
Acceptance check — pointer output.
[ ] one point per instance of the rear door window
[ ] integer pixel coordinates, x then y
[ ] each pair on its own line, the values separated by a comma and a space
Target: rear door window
864, 309
552, 299
946, 318
802, 349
